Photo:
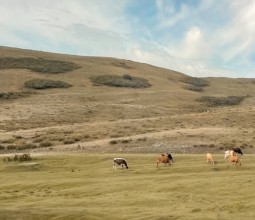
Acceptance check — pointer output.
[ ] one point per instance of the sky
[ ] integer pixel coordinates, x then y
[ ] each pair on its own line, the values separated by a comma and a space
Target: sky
200, 38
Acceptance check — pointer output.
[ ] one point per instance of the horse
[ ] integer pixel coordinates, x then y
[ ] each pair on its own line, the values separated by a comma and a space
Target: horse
119, 161
233, 152
234, 159
165, 158
209, 158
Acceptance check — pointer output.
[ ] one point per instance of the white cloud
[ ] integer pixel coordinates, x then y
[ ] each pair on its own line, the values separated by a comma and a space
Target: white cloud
181, 37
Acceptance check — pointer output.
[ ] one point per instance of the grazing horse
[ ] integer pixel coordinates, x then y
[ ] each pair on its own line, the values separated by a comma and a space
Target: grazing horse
165, 158
237, 150
234, 159
119, 161
209, 158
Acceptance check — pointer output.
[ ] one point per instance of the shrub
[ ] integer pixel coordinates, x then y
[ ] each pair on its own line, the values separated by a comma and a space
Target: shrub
8, 141
197, 82
37, 64
68, 142
27, 146
2, 147
113, 142
45, 84
11, 147
13, 95
194, 88
221, 101
45, 144
121, 81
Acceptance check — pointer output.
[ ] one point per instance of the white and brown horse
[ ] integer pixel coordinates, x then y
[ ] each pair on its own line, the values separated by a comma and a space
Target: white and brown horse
233, 152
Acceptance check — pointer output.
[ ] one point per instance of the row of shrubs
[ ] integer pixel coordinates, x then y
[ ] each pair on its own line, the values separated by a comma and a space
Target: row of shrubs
38, 64
25, 146
109, 80
225, 147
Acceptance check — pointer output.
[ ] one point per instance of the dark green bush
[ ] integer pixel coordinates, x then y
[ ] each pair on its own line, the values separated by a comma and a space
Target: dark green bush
45, 84
121, 81
37, 64
221, 101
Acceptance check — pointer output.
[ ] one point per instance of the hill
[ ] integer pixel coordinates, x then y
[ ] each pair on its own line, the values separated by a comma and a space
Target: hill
97, 104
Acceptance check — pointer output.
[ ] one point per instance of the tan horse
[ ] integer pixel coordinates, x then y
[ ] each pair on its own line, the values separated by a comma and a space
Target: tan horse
209, 158
165, 159
234, 159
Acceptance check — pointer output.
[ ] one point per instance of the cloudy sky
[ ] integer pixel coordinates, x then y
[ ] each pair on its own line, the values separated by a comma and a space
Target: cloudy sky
196, 37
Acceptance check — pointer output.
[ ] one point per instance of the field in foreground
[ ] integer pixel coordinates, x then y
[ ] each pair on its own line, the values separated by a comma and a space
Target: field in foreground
84, 186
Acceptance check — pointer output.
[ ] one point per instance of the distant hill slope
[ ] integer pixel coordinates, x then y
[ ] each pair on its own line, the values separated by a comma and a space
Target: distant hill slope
108, 118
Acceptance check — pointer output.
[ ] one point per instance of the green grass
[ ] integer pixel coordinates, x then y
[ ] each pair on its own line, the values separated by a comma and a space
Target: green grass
84, 186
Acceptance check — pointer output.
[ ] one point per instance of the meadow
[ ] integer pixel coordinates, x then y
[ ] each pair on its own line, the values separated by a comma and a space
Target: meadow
85, 186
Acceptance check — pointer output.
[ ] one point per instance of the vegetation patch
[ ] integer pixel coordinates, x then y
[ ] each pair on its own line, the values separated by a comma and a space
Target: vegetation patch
121, 81
13, 95
194, 88
37, 64
45, 84
221, 101
195, 84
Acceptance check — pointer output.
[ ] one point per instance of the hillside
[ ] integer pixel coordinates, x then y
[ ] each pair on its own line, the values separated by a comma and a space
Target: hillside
164, 115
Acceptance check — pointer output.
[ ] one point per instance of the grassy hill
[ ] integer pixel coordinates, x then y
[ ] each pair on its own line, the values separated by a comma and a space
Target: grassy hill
115, 105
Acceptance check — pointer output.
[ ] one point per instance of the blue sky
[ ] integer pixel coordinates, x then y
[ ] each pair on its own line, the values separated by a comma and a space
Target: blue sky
197, 37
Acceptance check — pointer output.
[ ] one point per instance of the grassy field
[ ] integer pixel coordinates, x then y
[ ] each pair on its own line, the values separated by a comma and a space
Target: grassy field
84, 186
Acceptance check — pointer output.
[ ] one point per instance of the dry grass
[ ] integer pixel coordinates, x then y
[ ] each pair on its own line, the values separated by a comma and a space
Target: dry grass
93, 116
84, 186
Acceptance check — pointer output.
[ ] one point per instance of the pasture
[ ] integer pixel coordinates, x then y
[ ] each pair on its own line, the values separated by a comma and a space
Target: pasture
85, 186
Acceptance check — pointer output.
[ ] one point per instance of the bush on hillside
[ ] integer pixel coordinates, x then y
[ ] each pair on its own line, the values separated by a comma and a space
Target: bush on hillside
221, 101
13, 95
194, 88
37, 64
195, 81
121, 81
45, 84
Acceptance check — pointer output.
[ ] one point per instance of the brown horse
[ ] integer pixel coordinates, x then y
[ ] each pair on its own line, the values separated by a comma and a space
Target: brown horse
165, 159
234, 159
